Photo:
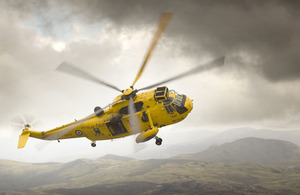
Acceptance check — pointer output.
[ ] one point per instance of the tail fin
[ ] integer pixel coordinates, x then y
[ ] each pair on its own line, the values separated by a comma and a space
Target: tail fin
23, 139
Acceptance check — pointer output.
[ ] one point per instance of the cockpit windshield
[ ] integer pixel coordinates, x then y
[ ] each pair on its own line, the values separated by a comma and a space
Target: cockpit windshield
175, 102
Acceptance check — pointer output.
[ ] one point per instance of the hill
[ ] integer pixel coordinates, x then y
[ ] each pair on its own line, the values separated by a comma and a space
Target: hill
249, 150
115, 157
199, 143
292, 136
164, 176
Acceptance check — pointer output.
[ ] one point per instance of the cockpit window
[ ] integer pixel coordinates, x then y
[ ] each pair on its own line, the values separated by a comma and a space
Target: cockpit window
172, 91
169, 109
177, 103
178, 97
168, 101
180, 109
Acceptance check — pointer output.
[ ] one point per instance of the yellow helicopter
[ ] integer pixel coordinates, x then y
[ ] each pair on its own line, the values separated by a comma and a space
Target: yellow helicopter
130, 112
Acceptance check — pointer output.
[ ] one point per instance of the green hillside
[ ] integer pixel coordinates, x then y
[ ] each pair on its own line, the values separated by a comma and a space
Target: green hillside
246, 166
204, 139
171, 176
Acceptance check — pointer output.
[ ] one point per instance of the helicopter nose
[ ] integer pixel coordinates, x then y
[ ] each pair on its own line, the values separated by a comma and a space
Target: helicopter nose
189, 104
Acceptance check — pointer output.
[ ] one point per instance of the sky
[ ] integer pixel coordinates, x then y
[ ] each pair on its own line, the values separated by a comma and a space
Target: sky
258, 86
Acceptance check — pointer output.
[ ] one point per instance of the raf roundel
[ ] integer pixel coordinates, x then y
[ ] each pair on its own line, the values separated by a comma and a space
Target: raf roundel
78, 132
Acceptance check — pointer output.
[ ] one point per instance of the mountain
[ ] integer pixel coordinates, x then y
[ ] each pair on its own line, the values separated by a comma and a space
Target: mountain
243, 166
292, 136
115, 157
199, 143
249, 150
156, 176
180, 187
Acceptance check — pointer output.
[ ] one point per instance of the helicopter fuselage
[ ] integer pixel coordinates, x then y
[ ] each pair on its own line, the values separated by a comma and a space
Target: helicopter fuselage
153, 109
130, 113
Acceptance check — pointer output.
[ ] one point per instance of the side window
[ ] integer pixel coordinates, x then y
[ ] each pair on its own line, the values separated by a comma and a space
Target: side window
180, 109
169, 109
177, 102
172, 91
168, 101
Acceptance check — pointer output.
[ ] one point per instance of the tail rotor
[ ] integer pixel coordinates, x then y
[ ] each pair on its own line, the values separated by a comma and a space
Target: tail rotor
25, 121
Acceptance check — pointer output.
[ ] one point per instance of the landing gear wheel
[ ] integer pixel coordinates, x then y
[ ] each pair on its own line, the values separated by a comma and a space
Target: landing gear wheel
158, 141
93, 144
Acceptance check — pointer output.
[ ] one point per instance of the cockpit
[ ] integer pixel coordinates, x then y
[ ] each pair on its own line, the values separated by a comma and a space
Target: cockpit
175, 103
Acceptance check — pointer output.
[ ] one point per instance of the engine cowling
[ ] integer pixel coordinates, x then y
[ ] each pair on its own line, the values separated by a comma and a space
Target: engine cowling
146, 135
161, 94
98, 111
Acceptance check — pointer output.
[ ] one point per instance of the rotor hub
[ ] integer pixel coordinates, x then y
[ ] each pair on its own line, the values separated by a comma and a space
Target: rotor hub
128, 91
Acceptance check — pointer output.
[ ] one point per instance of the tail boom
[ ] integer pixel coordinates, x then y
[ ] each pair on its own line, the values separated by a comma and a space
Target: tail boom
23, 139
26, 134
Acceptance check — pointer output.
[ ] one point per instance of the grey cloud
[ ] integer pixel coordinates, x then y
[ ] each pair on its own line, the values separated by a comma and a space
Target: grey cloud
268, 30
257, 37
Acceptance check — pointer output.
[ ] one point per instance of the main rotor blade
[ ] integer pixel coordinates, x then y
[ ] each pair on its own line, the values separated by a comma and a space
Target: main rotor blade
135, 126
71, 127
215, 63
72, 70
68, 128
163, 22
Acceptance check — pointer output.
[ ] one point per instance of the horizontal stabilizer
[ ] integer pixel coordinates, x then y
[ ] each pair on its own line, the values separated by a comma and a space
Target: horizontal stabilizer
23, 139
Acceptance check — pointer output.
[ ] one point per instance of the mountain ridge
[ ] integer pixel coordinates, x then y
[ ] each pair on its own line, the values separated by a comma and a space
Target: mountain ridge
113, 174
204, 143
251, 149
171, 176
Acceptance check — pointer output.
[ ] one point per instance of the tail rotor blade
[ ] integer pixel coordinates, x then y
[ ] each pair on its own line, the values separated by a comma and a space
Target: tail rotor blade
20, 121
17, 123
31, 120
17, 127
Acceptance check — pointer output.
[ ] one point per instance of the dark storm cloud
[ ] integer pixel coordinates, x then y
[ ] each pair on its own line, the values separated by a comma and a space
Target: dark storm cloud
266, 31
